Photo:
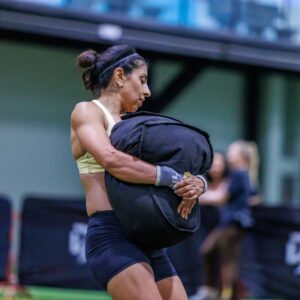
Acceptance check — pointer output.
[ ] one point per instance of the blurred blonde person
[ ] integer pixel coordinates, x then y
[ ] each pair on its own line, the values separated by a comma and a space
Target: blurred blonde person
243, 155
228, 190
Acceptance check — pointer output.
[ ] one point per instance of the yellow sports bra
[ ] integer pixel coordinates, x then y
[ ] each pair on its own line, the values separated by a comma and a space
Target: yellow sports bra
86, 163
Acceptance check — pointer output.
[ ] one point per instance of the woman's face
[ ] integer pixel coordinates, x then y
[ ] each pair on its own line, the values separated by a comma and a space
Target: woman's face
235, 157
218, 166
135, 89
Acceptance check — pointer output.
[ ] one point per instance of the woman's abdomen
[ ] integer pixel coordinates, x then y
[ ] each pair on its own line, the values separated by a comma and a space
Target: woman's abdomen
95, 193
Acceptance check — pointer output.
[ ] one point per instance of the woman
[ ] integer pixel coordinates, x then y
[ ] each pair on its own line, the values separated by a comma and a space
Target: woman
228, 190
118, 80
243, 155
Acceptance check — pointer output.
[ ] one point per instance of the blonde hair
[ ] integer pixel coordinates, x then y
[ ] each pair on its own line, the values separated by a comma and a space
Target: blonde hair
249, 150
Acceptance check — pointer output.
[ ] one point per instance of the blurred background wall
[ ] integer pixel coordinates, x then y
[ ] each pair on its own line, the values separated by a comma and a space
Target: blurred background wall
38, 89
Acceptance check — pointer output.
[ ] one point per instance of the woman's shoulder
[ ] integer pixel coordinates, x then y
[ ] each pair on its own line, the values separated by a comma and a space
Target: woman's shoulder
85, 110
83, 105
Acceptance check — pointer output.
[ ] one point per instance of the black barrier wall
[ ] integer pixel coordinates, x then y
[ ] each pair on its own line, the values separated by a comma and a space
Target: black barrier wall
270, 258
5, 227
53, 237
271, 255
52, 244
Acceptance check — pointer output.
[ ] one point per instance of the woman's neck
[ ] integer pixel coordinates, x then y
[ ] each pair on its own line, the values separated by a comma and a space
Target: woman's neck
112, 102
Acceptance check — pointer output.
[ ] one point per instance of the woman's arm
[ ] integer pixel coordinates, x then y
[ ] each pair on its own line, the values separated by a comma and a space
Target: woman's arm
89, 127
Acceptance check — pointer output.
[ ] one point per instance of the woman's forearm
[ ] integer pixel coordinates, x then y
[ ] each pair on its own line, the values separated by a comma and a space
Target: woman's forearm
129, 168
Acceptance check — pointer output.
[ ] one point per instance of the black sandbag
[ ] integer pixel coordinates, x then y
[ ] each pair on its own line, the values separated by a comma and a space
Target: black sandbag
147, 213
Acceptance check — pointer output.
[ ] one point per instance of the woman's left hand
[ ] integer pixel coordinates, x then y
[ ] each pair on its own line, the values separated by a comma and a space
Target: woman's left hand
189, 189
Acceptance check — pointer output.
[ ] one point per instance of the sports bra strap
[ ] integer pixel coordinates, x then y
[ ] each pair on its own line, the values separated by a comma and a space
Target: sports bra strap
110, 120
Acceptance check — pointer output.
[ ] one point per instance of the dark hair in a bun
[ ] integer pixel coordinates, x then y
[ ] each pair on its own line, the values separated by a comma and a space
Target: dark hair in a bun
96, 67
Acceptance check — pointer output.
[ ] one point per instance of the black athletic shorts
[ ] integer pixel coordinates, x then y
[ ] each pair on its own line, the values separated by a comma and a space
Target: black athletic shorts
109, 251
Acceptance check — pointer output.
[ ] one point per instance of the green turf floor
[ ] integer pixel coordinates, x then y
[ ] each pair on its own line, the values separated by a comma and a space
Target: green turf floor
35, 293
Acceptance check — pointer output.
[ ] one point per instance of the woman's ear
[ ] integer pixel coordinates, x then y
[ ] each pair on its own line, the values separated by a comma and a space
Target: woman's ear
119, 77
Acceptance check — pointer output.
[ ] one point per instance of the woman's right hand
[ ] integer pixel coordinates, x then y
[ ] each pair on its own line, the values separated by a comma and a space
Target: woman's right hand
190, 189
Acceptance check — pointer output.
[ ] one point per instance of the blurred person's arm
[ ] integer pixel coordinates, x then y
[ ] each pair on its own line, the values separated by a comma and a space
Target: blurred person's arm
255, 197
216, 197
236, 189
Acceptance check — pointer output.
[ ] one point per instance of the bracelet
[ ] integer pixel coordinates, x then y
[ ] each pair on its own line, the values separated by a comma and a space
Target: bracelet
158, 175
204, 181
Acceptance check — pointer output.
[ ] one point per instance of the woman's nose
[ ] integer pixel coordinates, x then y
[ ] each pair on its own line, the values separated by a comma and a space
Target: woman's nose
147, 92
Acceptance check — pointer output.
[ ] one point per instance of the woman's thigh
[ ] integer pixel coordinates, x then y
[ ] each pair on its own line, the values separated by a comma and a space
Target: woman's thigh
171, 288
230, 243
135, 283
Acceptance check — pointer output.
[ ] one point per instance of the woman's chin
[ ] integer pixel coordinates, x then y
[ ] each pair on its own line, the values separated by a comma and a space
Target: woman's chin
134, 108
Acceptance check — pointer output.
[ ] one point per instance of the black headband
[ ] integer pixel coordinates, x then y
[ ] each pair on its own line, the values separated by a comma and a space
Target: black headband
129, 57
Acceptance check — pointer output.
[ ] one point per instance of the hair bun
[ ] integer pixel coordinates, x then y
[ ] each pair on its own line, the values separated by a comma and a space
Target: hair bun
86, 59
